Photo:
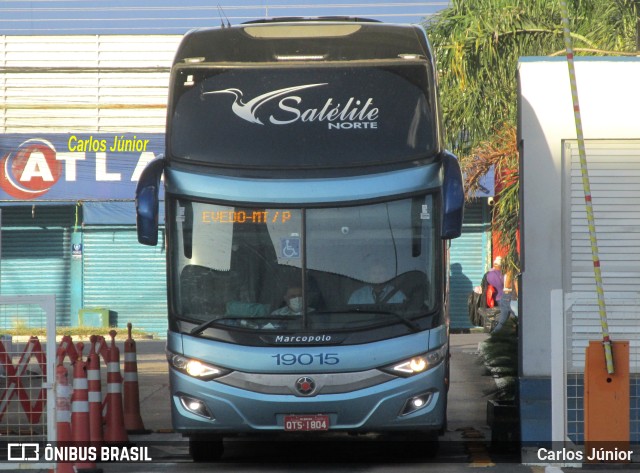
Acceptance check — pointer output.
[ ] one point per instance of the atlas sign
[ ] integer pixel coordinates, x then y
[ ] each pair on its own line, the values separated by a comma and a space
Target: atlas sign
74, 167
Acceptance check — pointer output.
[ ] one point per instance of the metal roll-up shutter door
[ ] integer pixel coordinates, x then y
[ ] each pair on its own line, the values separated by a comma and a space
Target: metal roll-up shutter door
468, 257
124, 276
36, 256
614, 175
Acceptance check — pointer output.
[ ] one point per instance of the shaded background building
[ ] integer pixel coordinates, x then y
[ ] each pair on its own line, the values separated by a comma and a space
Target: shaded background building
83, 89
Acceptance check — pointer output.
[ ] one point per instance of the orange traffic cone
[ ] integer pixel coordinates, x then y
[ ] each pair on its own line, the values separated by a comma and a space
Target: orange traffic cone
66, 348
80, 413
95, 394
114, 429
132, 418
63, 410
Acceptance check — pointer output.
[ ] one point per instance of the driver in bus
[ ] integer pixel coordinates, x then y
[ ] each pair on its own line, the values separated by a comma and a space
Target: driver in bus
293, 302
379, 291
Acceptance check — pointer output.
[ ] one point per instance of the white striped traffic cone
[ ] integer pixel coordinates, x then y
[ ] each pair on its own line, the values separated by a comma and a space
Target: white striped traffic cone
63, 411
80, 412
114, 429
132, 418
95, 393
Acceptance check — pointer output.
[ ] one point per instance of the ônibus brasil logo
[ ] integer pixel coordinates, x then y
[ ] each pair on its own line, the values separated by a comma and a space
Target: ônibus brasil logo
353, 114
36, 164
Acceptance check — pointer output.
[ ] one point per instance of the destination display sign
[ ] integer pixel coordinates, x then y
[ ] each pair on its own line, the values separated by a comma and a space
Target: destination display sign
245, 216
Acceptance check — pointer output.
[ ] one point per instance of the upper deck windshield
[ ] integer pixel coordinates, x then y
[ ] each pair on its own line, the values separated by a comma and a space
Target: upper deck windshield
293, 269
312, 117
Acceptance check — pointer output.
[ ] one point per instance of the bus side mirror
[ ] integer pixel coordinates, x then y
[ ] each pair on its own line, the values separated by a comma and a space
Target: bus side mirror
147, 202
452, 197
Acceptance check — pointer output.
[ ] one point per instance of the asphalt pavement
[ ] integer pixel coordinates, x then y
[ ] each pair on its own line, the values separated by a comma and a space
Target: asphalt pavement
467, 400
465, 446
466, 442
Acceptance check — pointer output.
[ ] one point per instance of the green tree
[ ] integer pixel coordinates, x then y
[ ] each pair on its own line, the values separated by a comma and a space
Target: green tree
477, 45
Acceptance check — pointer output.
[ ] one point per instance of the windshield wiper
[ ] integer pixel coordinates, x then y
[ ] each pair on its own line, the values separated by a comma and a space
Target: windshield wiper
197, 330
358, 310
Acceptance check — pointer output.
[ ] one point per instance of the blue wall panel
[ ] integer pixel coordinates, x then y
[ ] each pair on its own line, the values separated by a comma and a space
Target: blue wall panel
468, 261
122, 275
36, 255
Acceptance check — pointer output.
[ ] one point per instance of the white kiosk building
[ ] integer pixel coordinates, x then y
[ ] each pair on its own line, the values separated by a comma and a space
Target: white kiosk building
558, 291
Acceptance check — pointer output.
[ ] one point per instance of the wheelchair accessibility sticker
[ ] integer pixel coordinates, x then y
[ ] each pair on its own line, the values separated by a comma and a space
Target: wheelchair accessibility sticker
290, 247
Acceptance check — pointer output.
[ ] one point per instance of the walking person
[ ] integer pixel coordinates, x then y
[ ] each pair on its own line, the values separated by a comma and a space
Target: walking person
495, 278
508, 302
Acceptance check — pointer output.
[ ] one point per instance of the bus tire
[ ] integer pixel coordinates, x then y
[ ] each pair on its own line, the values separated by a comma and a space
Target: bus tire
445, 424
445, 420
205, 449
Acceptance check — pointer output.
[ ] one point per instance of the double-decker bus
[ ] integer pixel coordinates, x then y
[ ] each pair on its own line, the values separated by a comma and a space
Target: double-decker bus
309, 203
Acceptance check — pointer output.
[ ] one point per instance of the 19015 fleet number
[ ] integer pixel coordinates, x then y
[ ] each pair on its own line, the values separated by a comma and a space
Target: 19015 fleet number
306, 359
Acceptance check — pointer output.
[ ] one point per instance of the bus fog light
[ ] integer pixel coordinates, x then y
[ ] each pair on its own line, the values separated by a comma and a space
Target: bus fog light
196, 406
416, 403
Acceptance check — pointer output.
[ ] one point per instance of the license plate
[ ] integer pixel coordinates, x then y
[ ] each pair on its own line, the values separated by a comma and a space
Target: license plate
304, 423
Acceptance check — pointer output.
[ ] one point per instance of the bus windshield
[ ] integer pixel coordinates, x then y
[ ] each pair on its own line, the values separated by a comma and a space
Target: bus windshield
311, 269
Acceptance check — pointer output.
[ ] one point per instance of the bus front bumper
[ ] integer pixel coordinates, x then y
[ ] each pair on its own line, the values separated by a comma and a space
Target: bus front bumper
417, 403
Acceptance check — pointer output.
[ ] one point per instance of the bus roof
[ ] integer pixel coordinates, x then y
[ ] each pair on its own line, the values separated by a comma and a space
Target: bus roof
305, 39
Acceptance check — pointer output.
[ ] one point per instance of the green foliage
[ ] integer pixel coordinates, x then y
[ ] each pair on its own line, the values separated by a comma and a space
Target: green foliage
477, 46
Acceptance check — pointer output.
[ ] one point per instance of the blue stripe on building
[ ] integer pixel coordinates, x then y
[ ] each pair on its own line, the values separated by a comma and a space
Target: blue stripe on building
468, 257
125, 277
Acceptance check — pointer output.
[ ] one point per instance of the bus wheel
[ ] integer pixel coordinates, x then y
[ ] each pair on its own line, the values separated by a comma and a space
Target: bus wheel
206, 448
445, 422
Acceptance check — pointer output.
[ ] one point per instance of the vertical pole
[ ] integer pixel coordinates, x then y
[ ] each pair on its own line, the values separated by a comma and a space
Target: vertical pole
558, 369
49, 306
0, 249
77, 252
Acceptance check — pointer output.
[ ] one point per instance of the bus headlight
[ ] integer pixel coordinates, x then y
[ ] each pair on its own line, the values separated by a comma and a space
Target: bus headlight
196, 368
417, 364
